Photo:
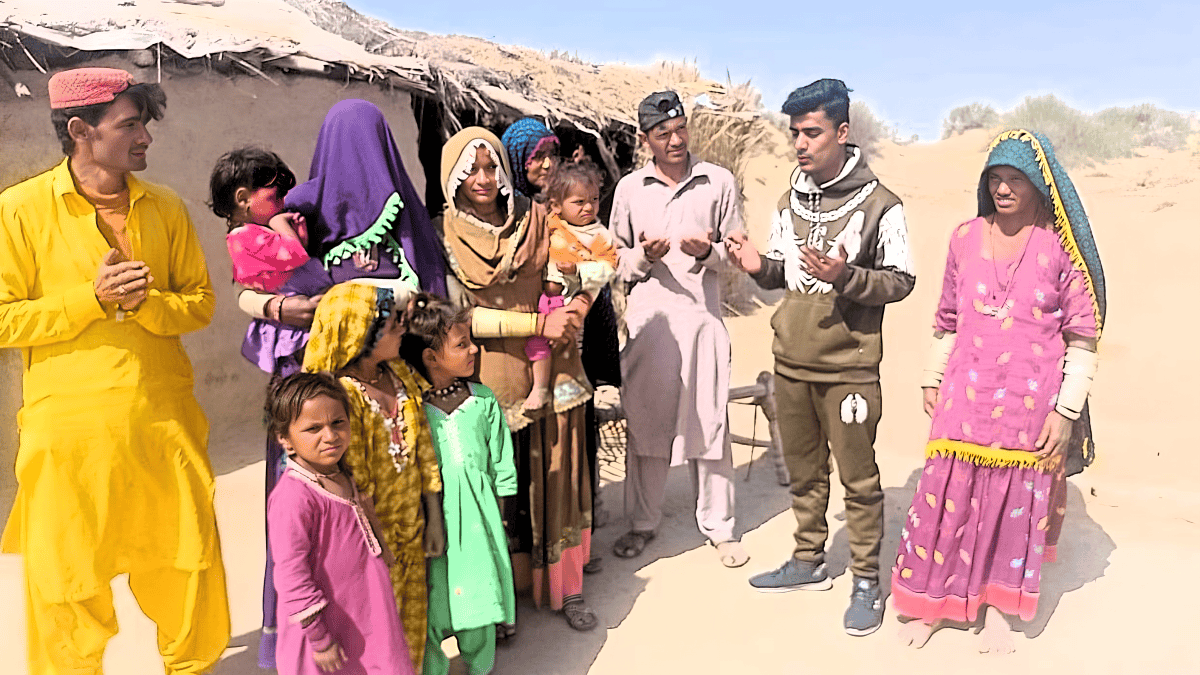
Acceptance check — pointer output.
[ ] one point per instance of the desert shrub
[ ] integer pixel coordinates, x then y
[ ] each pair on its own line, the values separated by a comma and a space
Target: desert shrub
1150, 125
867, 131
967, 117
1077, 140
1082, 139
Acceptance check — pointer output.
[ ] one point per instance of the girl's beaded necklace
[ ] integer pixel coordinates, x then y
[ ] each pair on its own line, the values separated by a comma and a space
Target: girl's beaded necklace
393, 421
445, 392
448, 398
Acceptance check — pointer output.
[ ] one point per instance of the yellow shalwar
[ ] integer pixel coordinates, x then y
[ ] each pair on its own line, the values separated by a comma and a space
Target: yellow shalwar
112, 469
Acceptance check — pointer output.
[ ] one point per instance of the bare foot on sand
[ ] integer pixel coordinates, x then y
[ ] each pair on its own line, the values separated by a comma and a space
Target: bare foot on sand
537, 399
916, 633
996, 636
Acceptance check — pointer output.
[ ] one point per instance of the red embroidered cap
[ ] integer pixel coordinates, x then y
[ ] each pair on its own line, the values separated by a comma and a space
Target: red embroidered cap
87, 86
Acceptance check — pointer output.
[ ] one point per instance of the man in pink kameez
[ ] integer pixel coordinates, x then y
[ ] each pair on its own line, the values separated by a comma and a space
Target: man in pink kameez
668, 219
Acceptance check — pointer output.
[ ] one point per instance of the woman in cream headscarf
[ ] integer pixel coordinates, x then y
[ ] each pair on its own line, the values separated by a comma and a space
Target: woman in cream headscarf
496, 245
1013, 356
356, 335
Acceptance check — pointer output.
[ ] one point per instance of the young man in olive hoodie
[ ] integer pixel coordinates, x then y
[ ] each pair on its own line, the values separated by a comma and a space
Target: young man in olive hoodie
839, 245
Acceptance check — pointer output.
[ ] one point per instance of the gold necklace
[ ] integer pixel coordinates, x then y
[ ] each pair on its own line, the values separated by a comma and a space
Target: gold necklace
1001, 308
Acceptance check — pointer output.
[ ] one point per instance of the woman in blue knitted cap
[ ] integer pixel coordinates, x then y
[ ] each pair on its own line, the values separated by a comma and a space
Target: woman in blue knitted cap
530, 144
1006, 385
533, 154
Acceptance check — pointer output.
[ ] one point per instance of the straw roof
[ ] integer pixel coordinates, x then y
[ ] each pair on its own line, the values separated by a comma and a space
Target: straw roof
474, 80
512, 81
254, 32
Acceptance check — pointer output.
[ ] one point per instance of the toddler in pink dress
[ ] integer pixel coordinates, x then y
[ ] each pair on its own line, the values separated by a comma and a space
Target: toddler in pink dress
265, 244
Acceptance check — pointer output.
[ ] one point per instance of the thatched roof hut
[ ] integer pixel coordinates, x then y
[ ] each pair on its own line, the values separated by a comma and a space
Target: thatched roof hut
261, 71
467, 80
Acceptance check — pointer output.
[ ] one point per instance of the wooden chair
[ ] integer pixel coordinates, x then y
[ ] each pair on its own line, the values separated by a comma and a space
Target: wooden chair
611, 418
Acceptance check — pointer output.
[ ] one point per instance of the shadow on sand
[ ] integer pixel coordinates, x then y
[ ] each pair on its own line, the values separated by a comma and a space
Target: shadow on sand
1083, 551
547, 646
245, 661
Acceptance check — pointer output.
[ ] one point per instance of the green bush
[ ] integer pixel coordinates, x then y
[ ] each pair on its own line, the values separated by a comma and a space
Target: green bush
1151, 126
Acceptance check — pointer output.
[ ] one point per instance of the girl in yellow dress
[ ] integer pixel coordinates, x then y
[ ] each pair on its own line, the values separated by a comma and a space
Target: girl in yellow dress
356, 334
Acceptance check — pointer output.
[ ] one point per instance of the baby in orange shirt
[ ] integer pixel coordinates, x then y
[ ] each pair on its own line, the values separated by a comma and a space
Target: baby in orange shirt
583, 259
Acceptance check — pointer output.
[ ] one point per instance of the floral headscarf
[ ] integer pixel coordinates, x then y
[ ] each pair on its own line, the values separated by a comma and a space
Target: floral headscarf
347, 324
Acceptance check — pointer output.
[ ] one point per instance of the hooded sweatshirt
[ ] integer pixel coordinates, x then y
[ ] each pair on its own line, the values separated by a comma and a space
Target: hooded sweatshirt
832, 332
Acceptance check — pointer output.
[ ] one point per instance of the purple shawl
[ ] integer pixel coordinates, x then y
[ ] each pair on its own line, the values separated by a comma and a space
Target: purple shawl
358, 195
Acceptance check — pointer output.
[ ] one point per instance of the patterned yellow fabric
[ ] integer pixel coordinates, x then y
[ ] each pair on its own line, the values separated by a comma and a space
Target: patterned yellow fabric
339, 333
340, 326
412, 598
397, 495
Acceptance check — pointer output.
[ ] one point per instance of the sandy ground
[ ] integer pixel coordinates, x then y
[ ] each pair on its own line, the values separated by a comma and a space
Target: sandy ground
1121, 598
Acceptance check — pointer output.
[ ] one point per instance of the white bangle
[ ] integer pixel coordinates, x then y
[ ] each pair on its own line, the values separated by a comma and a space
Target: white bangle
937, 358
1079, 370
253, 303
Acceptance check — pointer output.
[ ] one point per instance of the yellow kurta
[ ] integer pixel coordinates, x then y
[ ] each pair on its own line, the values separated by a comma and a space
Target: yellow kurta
397, 494
113, 475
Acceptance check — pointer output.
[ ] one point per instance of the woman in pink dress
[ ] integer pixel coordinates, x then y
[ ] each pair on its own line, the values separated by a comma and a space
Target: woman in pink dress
1013, 356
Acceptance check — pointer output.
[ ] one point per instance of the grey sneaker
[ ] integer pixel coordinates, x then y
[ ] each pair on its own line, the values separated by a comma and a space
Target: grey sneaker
794, 575
865, 613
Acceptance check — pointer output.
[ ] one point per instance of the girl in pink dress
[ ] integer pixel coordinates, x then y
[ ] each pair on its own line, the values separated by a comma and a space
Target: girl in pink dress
336, 609
1014, 352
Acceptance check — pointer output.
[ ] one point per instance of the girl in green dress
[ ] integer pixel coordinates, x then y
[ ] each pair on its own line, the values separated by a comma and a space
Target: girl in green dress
470, 586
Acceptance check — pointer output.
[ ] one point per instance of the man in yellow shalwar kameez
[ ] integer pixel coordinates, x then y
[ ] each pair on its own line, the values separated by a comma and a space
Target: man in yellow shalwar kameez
100, 273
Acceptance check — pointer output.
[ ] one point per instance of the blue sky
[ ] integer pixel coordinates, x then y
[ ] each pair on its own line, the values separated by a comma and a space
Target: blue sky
910, 62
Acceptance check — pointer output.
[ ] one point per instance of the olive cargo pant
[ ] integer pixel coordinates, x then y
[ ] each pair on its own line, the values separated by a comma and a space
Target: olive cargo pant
815, 420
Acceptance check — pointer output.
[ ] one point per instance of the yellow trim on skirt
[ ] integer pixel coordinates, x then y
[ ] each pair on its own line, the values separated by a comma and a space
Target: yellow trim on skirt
982, 455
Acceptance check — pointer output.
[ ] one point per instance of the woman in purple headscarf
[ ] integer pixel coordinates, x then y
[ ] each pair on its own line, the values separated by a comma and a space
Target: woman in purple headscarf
365, 218
365, 221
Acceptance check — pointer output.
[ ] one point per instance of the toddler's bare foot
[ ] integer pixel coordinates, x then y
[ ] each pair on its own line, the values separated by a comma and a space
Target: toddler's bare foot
996, 636
538, 398
916, 633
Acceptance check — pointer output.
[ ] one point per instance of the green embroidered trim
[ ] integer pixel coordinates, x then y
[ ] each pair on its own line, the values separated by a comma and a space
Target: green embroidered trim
377, 233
